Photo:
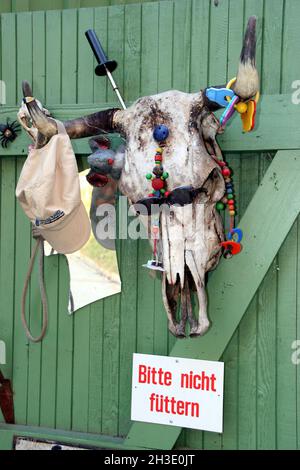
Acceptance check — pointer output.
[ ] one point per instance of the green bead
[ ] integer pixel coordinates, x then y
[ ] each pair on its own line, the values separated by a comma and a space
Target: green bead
149, 176
220, 206
165, 175
229, 196
162, 191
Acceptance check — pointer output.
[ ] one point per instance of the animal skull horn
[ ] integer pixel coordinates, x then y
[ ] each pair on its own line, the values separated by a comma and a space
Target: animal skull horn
190, 235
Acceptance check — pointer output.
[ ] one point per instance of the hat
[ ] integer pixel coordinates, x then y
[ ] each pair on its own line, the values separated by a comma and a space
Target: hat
49, 193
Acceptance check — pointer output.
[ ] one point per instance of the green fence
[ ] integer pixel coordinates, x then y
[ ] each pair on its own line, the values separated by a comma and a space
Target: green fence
79, 378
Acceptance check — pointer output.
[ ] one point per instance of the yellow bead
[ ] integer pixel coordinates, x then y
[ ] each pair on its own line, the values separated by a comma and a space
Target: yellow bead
231, 212
241, 107
159, 150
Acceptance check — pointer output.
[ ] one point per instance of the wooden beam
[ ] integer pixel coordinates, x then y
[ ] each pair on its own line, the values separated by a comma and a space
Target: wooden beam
8, 432
265, 225
277, 127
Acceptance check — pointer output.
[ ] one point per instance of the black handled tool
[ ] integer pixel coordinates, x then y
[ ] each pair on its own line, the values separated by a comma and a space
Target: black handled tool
105, 66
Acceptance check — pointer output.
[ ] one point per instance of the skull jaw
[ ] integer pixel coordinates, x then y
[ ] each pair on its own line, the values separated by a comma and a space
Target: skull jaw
187, 259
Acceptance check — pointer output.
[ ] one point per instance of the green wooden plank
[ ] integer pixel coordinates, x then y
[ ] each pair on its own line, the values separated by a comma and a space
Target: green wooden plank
20, 5
128, 255
64, 374
115, 47
165, 46
297, 336
5, 6
38, 59
229, 439
101, 25
266, 349
230, 357
7, 433
149, 52
80, 387
217, 66
272, 46
110, 393
95, 368
266, 317
53, 57
111, 397
25, 70
49, 345
270, 134
65, 349
7, 203
228, 300
247, 379
218, 43
20, 343
69, 57
72, 4
286, 399
7, 273
145, 287
46, 4
132, 52
164, 82
9, 52
181, 45
199, 45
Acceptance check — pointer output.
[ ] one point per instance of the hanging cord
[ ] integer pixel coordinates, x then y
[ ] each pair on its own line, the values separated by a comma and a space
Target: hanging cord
39, 246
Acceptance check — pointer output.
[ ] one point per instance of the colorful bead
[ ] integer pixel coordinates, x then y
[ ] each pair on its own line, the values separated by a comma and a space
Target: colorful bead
231, 212
167, 193
226, 171
220, 206
229, 196
157, 184
110, 161
241, 107
159, 150
148, 176
161, 133
158, 158
162, 191
165, 175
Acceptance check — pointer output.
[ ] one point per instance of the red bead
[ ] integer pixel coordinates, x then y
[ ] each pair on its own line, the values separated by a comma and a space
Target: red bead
158, 157
226, 171
150, 195
110, 161
222, 163
157, 184
231, 208
167, 193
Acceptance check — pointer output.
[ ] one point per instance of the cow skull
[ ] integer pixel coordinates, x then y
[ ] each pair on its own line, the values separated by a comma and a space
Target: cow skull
190, 235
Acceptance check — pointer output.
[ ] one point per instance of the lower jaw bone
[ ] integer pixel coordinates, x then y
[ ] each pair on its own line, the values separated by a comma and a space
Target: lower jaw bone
190, 237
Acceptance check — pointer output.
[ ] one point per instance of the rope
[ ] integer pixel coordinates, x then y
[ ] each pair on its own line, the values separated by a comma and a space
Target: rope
39, 245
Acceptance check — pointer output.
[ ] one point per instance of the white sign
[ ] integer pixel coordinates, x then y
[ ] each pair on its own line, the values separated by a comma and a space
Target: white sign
2, 353
178, 392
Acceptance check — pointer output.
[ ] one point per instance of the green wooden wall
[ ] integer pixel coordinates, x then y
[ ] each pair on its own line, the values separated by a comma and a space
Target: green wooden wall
34, 5
79, 377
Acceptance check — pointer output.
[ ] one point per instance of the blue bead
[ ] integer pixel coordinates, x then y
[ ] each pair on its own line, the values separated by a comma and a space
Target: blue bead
160, 133
157, 194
